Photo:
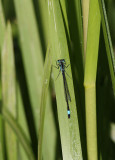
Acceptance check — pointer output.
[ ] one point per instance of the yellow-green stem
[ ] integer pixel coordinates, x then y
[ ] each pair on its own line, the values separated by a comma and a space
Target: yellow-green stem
93, 34
91, 132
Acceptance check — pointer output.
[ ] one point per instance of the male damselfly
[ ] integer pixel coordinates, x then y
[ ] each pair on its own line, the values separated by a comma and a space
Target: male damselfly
61, 64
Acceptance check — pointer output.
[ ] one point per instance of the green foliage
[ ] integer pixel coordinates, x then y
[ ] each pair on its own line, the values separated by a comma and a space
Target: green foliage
34, 34
109, 48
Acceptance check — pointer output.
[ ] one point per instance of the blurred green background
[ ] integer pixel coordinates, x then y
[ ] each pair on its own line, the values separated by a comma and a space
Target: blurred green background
30, 35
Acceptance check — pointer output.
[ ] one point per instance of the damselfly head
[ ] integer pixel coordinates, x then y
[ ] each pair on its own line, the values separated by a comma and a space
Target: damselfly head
60, 61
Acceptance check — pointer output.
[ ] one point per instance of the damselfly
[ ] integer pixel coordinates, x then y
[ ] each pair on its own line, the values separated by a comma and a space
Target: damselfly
61, 64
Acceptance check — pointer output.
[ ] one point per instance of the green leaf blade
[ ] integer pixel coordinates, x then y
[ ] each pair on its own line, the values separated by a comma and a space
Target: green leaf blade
69, 130
9, 90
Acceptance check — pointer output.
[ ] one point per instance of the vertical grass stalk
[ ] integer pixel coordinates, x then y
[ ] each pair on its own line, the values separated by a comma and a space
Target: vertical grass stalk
90, 77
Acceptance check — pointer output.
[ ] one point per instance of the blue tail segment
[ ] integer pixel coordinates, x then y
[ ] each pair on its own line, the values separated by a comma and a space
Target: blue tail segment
68, 112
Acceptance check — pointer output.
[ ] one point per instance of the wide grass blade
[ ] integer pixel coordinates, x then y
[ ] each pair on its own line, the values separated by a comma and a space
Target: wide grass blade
90, 77
9, 90
69, 130
108, 43
31, 52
